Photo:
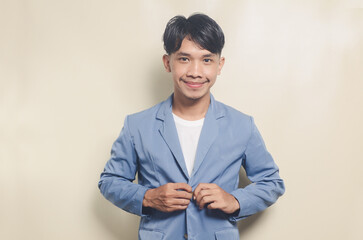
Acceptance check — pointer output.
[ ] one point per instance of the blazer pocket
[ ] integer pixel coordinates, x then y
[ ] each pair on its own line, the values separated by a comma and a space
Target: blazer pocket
227, 234
150, 235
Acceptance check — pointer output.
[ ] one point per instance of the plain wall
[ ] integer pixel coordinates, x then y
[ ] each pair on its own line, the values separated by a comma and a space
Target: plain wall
71, 70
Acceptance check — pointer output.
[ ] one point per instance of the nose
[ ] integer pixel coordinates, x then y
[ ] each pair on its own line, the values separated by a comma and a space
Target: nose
194, 70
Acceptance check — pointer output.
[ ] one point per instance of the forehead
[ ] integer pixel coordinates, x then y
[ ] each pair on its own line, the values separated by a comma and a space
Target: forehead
191, 48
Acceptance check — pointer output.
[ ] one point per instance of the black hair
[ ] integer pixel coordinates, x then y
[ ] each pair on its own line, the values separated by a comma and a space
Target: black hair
199, 28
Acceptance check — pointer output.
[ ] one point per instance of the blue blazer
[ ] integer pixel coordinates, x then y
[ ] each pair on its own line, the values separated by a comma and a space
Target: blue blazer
149, 146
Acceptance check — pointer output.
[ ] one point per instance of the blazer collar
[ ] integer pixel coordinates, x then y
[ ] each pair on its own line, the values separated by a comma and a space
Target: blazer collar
207, 137
166, 108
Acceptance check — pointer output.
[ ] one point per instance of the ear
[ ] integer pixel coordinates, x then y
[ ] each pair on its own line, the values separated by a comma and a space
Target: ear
166, 61
220, 65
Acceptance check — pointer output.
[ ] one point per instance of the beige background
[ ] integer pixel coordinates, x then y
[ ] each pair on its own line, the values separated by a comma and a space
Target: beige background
71, 70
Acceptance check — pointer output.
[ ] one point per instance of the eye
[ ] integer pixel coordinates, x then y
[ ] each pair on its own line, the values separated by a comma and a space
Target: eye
183, 59
207, 60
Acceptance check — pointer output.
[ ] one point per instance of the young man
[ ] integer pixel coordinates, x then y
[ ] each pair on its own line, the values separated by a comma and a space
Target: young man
188, 150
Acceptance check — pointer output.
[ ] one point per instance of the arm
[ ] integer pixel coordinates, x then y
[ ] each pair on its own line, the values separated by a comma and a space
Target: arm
264, 190
119, 173
116, 183
266, 186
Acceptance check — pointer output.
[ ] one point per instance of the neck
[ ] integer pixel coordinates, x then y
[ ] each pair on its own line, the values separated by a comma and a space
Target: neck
190, 109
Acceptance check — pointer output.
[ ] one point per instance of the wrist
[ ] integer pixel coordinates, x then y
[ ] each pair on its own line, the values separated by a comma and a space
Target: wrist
236, 206
145, 201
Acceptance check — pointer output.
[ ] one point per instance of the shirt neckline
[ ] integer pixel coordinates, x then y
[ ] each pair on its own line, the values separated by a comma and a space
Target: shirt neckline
184, 122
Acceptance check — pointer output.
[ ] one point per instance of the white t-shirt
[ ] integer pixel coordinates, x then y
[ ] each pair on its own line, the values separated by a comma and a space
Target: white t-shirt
188, 132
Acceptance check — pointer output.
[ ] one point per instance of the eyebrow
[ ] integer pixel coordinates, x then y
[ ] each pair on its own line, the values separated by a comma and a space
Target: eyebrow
188, 55
183, 54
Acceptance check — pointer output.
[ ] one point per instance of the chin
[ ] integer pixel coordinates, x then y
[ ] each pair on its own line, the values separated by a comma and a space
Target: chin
195, 97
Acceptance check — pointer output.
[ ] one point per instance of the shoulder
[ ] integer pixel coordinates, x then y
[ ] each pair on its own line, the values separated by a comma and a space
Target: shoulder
144, 116
235, 123
147, 119
231, 113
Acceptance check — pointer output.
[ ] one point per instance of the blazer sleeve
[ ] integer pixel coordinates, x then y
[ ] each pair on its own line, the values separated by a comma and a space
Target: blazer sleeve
116, 182
266, 185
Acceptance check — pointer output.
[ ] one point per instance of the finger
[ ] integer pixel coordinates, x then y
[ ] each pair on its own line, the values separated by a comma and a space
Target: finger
200, 187
182, 202
202, 194
206, 200
176, 201
183, 186
183, 194
213, 205
175, 208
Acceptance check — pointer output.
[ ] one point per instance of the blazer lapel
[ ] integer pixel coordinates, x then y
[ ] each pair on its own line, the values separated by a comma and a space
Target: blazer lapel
170, 135
208, 135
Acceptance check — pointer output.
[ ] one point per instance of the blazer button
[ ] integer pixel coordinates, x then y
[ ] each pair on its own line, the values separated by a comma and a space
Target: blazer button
186, 236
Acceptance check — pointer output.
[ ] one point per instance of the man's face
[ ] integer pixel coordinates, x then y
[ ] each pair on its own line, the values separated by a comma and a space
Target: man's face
194, 71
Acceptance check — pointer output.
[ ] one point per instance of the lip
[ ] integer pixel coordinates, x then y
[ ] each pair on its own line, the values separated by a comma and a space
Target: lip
194, 84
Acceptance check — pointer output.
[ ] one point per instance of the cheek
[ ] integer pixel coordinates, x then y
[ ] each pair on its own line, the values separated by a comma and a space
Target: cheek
176, 76
177, 73
212, 73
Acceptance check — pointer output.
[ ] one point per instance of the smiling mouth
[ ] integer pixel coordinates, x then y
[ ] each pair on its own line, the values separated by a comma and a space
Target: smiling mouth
194, 84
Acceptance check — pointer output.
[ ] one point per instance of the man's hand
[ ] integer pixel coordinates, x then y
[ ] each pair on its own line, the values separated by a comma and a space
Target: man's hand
169, 197
215, 197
